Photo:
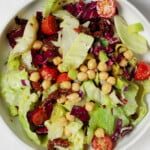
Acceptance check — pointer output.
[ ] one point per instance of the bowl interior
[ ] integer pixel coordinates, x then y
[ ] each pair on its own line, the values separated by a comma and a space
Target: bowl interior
131, 14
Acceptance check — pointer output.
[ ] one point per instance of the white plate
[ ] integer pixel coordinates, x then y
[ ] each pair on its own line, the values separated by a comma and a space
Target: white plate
131, 14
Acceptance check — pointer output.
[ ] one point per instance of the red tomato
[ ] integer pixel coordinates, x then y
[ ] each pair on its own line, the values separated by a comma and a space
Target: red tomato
106, 8
142, 72
48, 73
38, 117
49, 25
103, 143
63, 77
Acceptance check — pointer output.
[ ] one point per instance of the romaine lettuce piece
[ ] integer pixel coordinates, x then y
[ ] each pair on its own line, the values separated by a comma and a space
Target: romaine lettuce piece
11, 86
121, 83
142, 109
55, 128
78, 51
14, 64
77, 140
130, 96
26, 104
26, 59
67, 35
136, 42
29, 36
54, 5
91, 91
57, 113
105, 118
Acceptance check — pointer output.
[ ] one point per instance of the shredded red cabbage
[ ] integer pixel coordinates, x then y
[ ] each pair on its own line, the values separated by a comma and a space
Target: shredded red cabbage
13, 34
117, 131
48, 109
82, 11
81, 113
42, 58
41, 130
126, 130
25, 82
20, 21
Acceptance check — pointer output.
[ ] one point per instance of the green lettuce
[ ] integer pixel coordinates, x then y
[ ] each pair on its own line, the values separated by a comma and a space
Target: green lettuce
11, 86
105, 118
29, 36
130, 95
55, 128
142, 109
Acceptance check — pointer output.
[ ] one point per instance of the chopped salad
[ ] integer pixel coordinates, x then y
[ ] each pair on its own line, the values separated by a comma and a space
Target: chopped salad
72, 77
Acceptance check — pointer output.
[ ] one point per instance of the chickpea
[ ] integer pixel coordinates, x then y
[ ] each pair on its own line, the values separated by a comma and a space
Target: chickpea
120, 71
128, 54
106, 88
60, 67
46, 84
89, 106
60, 51
91, 74
83, 68
111, 80
109, 68
69, 116
37, 45
82, 76
35, 76
123, 63
103, 76
75, 87
67, 132
92, 64
63, 121
65, 85
44, 48
102, 66
61, 100
57, 60
99, 132
74, 97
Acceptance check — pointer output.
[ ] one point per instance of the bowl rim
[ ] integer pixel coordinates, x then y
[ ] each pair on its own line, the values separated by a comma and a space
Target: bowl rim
2, 31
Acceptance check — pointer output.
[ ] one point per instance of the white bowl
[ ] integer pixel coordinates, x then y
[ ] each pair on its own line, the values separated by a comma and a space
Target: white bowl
132, 15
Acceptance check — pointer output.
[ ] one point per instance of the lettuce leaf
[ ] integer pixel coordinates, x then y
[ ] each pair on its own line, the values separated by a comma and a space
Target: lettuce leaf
27, 102
11, 92
142, 109
130, 96
25, 43
105, 118
55, 128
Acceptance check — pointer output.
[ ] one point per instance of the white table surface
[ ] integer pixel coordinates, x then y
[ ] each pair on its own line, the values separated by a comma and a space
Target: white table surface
8, 7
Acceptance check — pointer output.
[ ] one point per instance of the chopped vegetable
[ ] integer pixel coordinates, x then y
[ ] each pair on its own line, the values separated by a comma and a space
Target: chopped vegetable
106, 8
142, 72
49, 25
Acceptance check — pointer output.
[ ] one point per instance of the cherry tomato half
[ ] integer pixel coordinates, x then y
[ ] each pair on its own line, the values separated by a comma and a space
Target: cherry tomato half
106, 8
38, 117
49, 25
102, 143
63, 77
48, 73
142, 72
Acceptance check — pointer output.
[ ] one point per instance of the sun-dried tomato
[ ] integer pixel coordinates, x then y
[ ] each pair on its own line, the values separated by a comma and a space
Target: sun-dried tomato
56, 94
50, 146
61, 142
83, 29
36, 86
